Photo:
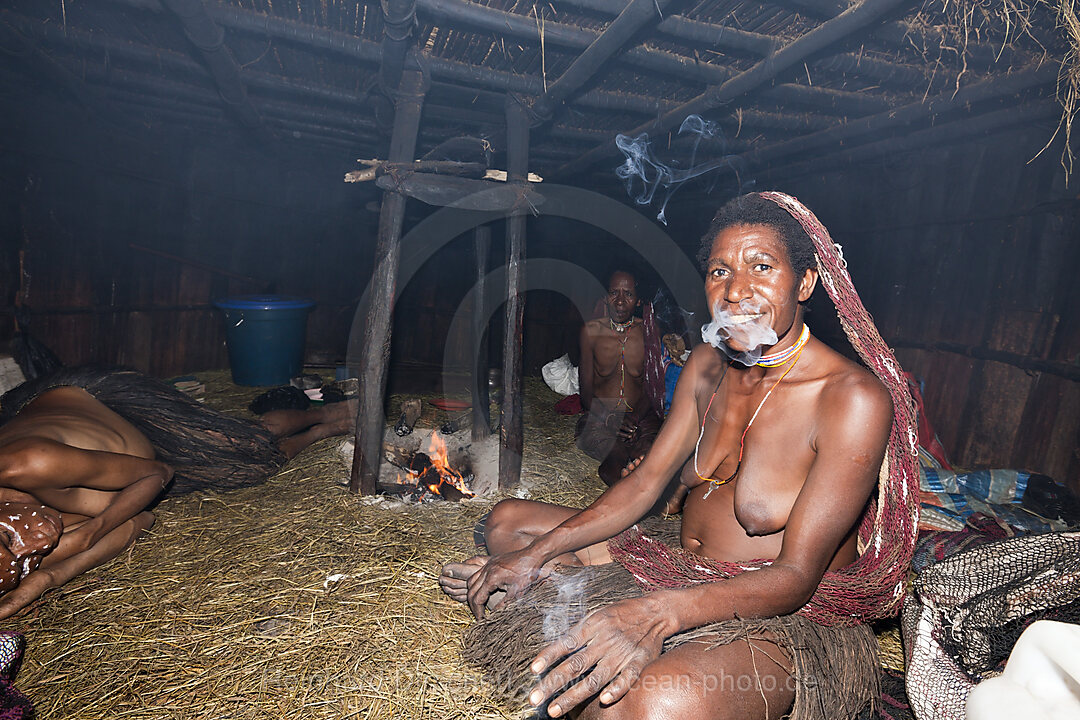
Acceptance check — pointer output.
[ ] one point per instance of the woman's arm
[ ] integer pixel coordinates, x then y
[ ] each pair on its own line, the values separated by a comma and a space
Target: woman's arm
621, 505
112, 544
108, 488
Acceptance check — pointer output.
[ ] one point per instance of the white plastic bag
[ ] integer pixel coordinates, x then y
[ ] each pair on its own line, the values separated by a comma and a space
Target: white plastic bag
561, 376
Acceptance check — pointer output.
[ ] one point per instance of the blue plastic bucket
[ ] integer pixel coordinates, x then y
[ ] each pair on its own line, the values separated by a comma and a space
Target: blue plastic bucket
265, 337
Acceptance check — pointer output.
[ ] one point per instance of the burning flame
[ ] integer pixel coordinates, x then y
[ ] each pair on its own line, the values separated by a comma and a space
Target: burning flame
440, 464
440, 460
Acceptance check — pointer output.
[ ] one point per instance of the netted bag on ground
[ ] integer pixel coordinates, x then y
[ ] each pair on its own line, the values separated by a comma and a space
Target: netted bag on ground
965, 613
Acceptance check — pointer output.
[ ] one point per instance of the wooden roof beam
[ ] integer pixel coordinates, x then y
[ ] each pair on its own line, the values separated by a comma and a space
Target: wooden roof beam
351, 46
896, 32
821, 37
684, 67
964, 128
995, 88
13, 39
636, 16
596, 99
721, 37
679, 27
838, 101
209, 39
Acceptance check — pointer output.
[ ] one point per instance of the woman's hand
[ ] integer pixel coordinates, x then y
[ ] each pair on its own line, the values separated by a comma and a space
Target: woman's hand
513, 572
628, 430
605, 653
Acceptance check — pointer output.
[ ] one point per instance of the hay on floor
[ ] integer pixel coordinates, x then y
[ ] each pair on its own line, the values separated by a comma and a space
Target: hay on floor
291, 599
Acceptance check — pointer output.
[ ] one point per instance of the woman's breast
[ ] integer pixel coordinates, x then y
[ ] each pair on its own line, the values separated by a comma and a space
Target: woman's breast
713, 527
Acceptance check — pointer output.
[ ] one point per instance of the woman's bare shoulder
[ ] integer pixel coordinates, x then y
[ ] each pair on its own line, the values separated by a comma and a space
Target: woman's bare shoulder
852, 391
706, 366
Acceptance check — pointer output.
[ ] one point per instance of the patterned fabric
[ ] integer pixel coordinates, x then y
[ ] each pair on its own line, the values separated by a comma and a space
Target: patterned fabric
13, 704
950, 499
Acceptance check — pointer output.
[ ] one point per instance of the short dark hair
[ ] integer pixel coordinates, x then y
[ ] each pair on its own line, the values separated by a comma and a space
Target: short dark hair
754, 209
624, 268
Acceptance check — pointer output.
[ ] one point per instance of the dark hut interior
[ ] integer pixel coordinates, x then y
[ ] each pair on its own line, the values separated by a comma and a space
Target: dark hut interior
159, 155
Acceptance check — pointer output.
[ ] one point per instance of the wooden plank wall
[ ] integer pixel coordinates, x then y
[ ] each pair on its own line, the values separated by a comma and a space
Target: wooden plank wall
80, 196
973, 246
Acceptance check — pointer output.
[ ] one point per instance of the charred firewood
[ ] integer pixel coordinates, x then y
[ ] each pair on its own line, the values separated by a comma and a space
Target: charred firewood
411, 492
397, 455
419, 464
451, 493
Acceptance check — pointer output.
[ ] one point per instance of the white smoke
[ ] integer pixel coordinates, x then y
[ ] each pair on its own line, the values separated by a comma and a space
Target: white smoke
645, 175
569, 608
748, 327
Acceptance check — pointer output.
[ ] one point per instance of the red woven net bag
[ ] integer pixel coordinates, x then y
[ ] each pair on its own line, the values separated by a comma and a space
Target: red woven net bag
873, 586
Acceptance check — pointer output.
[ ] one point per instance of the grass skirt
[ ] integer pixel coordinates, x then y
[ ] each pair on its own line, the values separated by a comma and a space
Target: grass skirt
837, 671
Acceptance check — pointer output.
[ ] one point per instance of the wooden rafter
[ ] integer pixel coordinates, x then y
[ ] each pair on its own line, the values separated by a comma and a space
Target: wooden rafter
398, 19
209, 39
960, 129
356, 48
635, 16
832, 138
821, 37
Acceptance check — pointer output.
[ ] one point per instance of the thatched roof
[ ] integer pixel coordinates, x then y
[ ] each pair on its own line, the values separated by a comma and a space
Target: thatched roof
786, 80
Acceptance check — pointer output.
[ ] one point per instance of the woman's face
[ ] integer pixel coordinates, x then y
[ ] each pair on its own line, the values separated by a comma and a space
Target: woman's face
27, 534
622, 297
752, 290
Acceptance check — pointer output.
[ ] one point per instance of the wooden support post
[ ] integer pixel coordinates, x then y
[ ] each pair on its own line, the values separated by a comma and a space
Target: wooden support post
511, 427
481, 420
375, 354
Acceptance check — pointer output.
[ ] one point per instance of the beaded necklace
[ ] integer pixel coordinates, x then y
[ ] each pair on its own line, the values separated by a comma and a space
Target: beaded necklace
793, 357
621, 328
778, 359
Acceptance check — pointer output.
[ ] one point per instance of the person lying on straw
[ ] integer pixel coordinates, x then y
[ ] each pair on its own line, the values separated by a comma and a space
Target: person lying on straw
85, 452
756, 608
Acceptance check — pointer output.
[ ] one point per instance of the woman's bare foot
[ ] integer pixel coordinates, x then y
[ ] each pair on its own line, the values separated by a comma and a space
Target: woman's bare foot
340, 415
455, 577
334, 419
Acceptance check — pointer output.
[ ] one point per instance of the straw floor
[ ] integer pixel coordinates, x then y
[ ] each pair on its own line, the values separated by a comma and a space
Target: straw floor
294, 599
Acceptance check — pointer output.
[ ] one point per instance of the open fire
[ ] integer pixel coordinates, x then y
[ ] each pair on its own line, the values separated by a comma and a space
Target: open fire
429, 475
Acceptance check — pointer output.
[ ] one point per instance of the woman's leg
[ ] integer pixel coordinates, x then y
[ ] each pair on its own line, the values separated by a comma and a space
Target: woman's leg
512, 525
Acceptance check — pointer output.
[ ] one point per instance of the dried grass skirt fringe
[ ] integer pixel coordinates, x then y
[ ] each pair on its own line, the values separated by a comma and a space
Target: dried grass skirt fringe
837, 671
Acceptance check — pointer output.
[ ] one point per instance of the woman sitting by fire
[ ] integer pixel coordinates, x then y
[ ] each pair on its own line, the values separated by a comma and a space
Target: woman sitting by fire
780, 440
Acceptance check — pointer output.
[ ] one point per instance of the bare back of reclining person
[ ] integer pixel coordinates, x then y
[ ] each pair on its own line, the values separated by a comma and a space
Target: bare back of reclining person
778, 461
77, 480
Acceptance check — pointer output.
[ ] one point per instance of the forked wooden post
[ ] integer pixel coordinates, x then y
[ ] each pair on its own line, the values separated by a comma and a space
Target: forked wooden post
481, 420
511, 429
375, 354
